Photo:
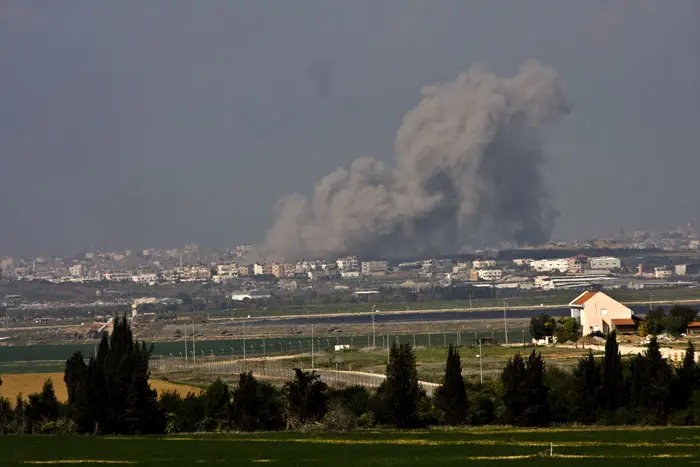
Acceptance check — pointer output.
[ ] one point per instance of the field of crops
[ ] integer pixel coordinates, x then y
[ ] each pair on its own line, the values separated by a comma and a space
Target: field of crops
28, 383
494, 447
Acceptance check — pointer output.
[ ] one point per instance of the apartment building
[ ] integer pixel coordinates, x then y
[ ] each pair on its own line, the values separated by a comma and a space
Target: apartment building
489, 274
370, 268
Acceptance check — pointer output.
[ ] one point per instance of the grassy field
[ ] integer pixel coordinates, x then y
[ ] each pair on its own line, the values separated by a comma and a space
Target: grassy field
484, 446
431, 362
29, 383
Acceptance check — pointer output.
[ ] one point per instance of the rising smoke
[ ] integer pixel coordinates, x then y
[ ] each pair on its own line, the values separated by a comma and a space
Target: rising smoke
467, 172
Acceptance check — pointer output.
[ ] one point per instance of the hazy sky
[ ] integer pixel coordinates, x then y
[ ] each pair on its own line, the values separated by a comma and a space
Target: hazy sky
158, 123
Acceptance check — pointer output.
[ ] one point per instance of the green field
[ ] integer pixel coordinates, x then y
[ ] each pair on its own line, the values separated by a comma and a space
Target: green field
484, 446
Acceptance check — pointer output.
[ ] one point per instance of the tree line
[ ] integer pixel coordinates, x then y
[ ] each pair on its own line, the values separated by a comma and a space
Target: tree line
110, 394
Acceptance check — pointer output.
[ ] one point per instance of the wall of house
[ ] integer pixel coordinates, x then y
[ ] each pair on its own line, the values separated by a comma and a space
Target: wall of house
599, 310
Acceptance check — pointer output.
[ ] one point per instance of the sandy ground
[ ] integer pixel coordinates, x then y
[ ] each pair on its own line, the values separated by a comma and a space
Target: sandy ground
30, 383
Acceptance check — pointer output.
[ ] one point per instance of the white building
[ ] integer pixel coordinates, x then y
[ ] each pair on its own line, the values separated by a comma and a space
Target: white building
348, 263
604, 262
77, 270
522, 261
489, 274
374, 267
548, 265
484, 264
258, 269
663, 272
118, 276
145, 278
242, 295
227, 269
349, 274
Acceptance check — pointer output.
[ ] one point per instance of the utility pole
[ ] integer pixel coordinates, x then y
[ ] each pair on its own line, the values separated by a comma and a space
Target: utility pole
481, 364
374, 336
194, 351
312, 347
244, 360
505, 319
185, 338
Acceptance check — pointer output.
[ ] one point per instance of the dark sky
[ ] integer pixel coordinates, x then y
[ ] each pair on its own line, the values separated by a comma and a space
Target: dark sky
145, 124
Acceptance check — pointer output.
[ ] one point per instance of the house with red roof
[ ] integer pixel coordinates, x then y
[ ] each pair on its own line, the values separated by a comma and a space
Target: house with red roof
596, 311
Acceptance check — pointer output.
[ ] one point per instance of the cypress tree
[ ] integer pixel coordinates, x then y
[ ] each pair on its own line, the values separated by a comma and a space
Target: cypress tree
112, 394
588, 380
400, 393
684, 380
525, 392
451, 397
306, 396
612, 393
650, 383
255, 405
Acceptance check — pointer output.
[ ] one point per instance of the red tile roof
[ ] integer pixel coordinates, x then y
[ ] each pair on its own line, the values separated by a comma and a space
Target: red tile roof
623, 322
583, 298
695, 324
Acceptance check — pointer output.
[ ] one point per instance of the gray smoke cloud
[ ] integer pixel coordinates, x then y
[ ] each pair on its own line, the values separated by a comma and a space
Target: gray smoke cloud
467, 172
320, 74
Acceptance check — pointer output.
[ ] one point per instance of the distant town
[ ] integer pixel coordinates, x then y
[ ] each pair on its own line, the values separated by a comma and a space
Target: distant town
558, 265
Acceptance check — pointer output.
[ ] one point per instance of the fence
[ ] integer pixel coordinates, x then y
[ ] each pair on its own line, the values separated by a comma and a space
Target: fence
257, 346
222, 366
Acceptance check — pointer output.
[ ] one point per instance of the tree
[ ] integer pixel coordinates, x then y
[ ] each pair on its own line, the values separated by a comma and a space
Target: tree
588, 380
44, 406
306, 396
678, 319
255, 405
112, 394
400, 393
613, 383
451, 397
216, 400
525, 391
562, 396
542, 326
649, 383
567, 329
685, 378
655, 321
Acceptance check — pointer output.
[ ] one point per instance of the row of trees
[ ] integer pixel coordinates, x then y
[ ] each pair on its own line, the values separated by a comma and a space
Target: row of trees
110, 394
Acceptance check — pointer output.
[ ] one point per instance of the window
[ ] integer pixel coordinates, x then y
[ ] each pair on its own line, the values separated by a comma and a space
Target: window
603, 312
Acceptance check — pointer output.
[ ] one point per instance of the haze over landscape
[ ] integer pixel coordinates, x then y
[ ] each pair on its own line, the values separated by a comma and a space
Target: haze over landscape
129, 124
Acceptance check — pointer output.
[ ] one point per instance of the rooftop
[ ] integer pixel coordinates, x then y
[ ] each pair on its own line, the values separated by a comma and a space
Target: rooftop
583, 298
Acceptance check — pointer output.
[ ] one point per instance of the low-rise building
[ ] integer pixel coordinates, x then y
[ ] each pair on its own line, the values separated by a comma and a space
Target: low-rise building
548, 265
244, 295
347, 263
662, 272
596, 311
145, 278
370, 268
483, 263
118, 276
349, 274
489, 274
280, 270
227, 270
77, 270
604, 263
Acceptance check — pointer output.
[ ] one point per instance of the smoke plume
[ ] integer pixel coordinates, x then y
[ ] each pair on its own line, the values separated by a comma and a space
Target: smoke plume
467, 172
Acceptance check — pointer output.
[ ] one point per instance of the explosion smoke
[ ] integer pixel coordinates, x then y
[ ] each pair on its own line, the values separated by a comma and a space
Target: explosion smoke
468, 161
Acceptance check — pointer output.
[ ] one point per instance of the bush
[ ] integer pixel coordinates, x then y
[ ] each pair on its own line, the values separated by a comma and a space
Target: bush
366, 420
339, 418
